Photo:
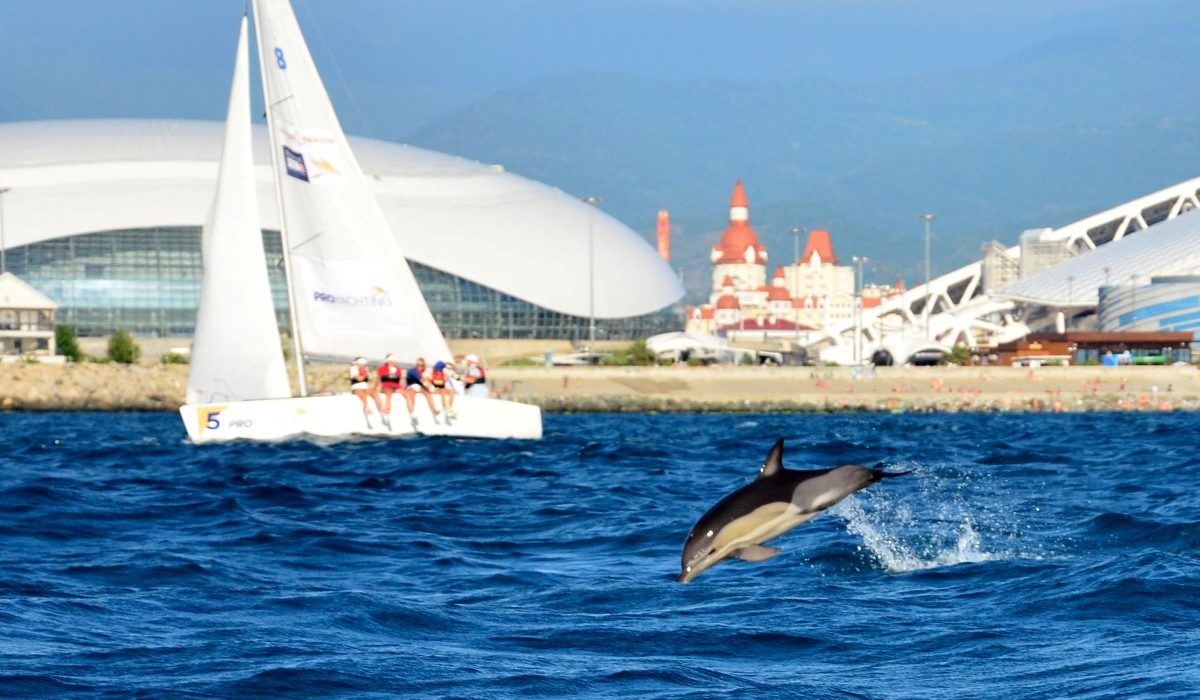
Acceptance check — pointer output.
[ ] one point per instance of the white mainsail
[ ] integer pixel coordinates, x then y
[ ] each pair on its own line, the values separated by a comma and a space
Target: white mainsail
353, 292
236, 355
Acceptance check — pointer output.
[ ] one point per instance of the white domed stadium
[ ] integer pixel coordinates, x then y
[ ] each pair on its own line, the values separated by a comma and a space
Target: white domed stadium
104, 217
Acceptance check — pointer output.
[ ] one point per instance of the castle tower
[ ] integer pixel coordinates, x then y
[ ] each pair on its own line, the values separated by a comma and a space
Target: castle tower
738, 254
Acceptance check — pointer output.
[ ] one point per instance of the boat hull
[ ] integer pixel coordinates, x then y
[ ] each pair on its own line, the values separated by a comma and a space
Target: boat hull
341, 416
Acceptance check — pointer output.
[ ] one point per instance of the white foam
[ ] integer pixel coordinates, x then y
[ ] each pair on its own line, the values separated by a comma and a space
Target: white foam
940, 523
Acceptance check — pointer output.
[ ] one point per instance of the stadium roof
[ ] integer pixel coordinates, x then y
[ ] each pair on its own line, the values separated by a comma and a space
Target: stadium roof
469, 219
1171, 247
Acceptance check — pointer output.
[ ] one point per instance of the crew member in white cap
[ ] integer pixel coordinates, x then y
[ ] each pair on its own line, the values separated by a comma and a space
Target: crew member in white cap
360, 386
475, 377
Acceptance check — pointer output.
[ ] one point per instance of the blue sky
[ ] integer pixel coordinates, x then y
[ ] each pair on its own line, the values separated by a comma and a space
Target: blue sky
403, 63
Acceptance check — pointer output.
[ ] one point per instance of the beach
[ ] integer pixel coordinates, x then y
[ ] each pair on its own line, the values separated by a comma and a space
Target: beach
159, 387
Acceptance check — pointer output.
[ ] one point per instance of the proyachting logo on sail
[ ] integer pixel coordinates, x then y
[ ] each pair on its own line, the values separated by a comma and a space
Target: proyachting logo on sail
377, 297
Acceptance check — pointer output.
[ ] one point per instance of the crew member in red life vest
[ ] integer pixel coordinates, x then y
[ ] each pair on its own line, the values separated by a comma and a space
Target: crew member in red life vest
475, 377
360, 386
439, 378
416, 382
390, 376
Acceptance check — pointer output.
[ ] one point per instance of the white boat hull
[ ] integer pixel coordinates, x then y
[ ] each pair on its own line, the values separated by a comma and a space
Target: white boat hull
341, 415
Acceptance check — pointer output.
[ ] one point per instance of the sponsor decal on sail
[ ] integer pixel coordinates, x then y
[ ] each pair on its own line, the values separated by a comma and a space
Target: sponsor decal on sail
295, 164
377, 296
312, 155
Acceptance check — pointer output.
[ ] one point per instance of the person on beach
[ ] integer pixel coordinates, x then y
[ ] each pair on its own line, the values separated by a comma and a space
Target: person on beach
439, 379
475, 377
390, 376
360, 386
415, 382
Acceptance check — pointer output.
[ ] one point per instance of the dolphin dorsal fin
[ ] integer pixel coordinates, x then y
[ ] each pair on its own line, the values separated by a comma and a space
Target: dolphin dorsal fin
774, 461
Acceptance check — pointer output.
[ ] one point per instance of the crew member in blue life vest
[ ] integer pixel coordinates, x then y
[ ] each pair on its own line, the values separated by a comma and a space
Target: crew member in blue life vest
360, 386
416, 382
475, 377
439, 378
390, 375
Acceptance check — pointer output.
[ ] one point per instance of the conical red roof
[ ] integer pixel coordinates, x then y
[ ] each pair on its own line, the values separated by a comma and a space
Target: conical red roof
819, 243
739, 243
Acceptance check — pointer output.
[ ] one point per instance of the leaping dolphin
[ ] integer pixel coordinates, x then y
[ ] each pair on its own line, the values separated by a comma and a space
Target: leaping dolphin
775, 502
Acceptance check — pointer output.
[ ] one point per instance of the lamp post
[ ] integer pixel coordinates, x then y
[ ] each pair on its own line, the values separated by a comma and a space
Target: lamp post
928, 218
858, 303
797, 232
592, 201
3, 260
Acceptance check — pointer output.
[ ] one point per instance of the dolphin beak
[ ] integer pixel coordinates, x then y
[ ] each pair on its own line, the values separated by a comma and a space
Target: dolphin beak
683, 577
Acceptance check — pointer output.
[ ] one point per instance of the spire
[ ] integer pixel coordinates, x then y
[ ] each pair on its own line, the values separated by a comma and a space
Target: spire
739, 244
739, 205
820, 245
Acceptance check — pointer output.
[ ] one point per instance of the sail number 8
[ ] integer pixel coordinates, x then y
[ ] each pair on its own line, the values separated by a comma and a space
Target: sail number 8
279, 60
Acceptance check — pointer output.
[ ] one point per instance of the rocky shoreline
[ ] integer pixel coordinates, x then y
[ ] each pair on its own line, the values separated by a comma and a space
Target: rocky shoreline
114, 387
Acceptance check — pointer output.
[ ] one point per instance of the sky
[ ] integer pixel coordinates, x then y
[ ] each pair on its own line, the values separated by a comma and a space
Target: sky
398, 64
440, 74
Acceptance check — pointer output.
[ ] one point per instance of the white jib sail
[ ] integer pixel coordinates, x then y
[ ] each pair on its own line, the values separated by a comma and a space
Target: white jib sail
355, 294
236, 354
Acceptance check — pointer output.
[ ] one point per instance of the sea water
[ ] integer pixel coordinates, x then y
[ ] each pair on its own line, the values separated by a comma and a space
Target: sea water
1026, 556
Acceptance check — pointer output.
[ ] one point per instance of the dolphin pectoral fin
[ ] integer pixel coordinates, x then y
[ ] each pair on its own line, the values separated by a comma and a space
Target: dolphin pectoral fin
754, 552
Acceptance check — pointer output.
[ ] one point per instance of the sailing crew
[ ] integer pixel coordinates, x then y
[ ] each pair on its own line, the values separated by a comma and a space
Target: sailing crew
360, 386
416, 382
439, 378
390, 375
475, 377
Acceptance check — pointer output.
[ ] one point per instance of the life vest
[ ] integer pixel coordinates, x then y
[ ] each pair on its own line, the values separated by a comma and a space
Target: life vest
482, 378
389, 374
438, 378
359, 375
412, 378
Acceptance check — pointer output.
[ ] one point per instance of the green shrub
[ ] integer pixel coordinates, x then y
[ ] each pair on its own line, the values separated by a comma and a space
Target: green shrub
67, 344
959, 355
122, 348
524, 362
173, 358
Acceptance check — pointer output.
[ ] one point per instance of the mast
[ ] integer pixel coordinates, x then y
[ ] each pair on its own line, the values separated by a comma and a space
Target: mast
297, 346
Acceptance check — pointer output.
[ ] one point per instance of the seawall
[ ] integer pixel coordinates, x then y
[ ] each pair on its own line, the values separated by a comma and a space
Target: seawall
113, 387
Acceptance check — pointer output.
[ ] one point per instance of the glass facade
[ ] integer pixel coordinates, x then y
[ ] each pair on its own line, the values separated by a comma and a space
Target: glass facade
147, 281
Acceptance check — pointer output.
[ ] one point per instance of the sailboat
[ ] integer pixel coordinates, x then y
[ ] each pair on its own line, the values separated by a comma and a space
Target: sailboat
350, 290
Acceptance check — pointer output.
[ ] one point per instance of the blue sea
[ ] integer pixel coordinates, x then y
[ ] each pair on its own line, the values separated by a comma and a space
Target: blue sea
1027, 556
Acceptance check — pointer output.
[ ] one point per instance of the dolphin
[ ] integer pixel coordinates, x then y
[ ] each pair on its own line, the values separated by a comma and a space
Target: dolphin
776, 501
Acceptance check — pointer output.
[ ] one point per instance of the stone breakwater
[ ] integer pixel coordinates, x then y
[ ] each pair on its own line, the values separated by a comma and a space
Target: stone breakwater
112, 387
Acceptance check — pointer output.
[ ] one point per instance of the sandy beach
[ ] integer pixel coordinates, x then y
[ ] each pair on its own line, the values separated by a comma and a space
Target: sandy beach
106, 387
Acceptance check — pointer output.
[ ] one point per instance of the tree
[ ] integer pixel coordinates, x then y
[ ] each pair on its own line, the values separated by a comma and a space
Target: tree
68, 346
121, 348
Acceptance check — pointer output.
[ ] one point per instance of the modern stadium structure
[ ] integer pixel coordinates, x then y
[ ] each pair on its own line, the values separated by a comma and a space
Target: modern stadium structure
104, 217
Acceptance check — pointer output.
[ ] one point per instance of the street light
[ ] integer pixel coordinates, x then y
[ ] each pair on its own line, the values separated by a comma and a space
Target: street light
858, 304
593, 201
927, 217
797, 232
3, 261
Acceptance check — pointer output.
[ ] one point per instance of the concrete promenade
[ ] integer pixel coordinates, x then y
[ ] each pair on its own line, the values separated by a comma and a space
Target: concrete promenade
107, 387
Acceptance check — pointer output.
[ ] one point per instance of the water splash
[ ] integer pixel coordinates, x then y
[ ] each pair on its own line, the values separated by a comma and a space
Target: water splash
940, 522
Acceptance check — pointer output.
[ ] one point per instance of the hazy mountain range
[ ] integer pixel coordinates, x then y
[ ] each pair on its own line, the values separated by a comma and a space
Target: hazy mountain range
1052, 133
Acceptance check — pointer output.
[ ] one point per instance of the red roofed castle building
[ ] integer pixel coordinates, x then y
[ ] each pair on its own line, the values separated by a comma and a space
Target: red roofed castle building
808, 294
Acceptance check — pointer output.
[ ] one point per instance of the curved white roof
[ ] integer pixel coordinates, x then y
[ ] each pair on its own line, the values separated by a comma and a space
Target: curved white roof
466, 218
1171, 247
